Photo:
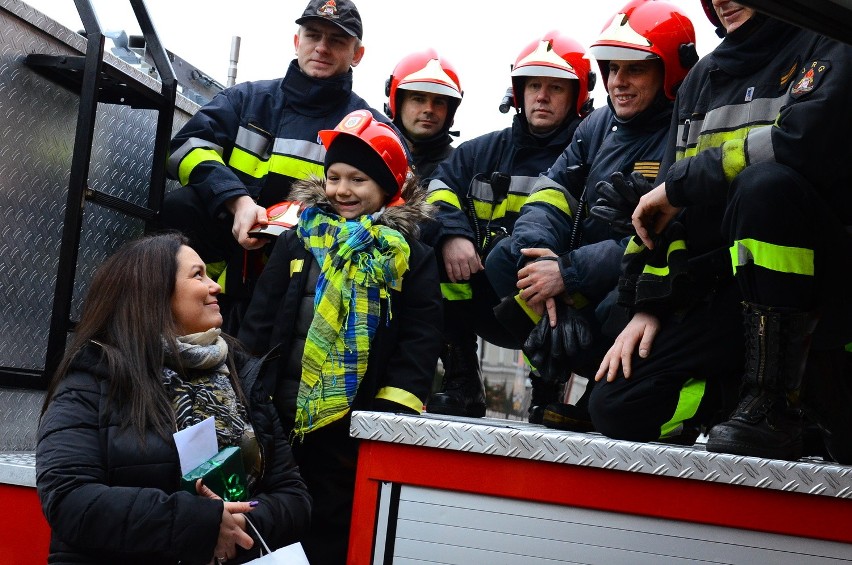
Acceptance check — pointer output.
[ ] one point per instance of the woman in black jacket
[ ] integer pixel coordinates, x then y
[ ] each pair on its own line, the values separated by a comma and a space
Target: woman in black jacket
147, 359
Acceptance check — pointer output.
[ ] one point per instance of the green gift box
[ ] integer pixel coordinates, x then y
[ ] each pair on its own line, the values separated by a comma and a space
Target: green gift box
223, 474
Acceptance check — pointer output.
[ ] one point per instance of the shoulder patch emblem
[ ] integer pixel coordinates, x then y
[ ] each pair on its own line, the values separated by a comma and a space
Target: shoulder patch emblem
809, 78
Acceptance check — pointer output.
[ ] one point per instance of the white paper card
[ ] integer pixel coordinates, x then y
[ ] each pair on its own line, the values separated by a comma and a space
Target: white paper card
196, 444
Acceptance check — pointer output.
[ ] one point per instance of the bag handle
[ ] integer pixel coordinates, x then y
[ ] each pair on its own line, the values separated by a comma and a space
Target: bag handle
259, 537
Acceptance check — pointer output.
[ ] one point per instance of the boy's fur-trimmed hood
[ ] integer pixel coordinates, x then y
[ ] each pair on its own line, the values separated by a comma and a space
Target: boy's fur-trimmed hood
406, 219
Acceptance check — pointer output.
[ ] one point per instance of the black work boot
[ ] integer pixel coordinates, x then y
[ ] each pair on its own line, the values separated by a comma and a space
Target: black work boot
544, 392
768, 421
462, 392
571, 417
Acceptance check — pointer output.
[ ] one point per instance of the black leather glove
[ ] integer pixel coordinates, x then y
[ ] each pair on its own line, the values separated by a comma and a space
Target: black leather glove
617, 200
550, 350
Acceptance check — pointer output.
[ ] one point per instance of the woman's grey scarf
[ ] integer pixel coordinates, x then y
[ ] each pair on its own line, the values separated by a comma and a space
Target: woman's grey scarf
196, 376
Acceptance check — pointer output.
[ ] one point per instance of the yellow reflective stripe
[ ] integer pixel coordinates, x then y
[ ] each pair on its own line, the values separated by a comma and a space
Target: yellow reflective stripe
779, 258
677, 245
527, 310
733, 158
457, 291
687, 406
401, 396
634, 246
222, 280
716, 139
296, 266
488, 211
285, 165
192, 159
552, 196
247, 163
295, 168
444, 195
516, 201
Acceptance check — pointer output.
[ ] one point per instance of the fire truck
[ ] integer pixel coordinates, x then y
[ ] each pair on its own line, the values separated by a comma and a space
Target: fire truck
85, 133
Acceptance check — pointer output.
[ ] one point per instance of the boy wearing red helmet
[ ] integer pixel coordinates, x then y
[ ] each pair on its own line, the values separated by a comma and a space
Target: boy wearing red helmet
644, 52
738, 275
350, 298
424, 93
241, 152
479, 191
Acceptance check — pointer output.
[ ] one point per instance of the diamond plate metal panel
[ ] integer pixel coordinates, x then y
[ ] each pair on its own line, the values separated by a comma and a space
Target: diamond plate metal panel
522, 440
37, 123
19, 418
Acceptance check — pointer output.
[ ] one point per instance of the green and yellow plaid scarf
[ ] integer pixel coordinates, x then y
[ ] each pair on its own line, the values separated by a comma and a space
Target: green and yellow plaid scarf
360, 262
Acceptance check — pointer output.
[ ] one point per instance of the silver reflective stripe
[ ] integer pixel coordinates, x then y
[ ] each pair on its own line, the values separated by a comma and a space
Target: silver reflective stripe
543, 182
518, 185
481, 190
175, 158
735, 116
305, 150
759, 146
252, 142
695, 129
522, 185
436, 184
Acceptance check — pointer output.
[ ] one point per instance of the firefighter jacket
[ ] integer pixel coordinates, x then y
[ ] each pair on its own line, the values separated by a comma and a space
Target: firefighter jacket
403, 352
603, 144
769, 93
427, 154
256, 138
468, 204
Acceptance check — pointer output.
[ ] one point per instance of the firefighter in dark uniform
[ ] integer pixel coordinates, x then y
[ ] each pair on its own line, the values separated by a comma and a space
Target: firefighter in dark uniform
739, 273
644, 52
424, 93
240, 153
479, 191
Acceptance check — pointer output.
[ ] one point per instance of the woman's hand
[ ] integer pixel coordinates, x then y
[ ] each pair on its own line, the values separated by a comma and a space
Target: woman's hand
641, 330
232, 528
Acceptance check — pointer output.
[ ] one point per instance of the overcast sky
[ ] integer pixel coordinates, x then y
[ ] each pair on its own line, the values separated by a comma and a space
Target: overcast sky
481, 39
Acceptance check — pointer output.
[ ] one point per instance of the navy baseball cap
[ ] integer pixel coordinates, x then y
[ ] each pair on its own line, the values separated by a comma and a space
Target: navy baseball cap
341, 13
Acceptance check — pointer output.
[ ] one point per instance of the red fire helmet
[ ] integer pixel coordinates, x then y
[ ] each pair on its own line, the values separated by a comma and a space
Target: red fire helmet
555, 55
649, 29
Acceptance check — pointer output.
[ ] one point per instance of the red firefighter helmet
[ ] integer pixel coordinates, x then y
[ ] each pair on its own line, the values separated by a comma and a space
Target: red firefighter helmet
424, 71
649, 29
379, 136
713, 17
554, 55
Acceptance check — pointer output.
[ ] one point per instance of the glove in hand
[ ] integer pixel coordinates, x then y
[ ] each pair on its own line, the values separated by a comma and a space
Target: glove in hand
550, 350
617, 200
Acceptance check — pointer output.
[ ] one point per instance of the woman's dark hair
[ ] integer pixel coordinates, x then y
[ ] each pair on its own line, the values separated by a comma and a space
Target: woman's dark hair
127, 313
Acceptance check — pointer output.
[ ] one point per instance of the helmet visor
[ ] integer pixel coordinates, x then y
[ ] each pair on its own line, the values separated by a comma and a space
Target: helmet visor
433, 87
614, 53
